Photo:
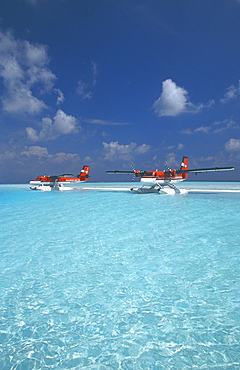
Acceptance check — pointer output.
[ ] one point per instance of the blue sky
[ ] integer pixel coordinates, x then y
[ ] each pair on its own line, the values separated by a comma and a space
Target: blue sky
115, 83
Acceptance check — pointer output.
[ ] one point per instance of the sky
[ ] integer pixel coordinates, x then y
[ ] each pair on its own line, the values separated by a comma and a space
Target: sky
118, 83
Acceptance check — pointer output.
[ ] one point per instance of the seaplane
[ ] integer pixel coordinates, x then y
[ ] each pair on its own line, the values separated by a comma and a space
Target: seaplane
50, 182
164, 181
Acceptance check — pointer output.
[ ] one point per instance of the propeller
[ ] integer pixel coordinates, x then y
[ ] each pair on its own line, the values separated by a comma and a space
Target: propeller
137, 173
167, 167
134, 176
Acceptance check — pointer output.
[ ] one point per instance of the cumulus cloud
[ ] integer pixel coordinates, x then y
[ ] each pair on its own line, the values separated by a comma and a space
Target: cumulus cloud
37, 151
37, 154
42, 154
25, 75
62, 124
114, 150
174, 100
142, 149
22, 101
233, 145
8, 155
172, 161
64, 157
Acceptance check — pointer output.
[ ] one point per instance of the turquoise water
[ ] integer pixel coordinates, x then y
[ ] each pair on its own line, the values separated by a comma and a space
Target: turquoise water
114, 280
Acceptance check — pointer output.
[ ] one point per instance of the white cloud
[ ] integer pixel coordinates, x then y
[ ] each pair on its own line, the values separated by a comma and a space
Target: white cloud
114, 150
62, 124
87, 159
64, 157
37, 151
227, 124
173, 100
231, 93
42, 154
94, 73
144, 148
25, 74
36, 155
233, 145
180, 146
186, 131
7, 156
60, 98
172, 161
204, 129
105, 123
21, 100
84, 89
214, 128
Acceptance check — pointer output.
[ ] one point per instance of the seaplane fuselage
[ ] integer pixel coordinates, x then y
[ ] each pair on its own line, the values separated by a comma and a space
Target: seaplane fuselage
147, 181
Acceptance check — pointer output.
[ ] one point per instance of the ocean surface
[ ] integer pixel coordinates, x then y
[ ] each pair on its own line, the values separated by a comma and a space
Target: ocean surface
112, 280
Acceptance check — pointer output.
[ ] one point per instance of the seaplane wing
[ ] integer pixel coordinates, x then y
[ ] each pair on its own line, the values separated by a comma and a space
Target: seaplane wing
201, 170
156, 181
117, 171
138, 173
147, 173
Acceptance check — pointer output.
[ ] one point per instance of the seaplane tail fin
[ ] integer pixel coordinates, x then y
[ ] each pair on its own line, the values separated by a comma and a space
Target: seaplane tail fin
84, 174
184, 164
183, 171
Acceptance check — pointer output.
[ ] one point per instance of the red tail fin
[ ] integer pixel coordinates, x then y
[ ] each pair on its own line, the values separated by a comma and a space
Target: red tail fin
184, 166
84, 175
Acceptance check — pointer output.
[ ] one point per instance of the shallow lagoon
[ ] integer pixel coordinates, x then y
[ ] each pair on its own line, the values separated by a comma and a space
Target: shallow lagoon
114, 280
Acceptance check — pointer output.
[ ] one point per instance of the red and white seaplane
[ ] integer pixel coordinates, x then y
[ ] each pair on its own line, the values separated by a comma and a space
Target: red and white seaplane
49, 182
164, 181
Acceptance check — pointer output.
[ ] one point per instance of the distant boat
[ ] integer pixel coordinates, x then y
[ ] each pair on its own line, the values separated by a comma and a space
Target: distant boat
63, 179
